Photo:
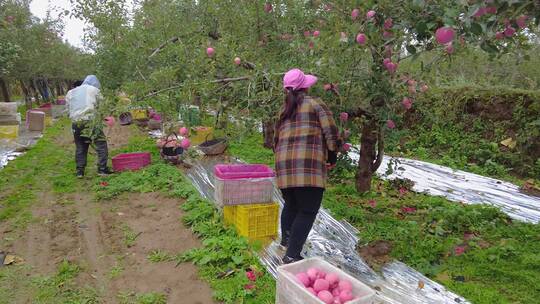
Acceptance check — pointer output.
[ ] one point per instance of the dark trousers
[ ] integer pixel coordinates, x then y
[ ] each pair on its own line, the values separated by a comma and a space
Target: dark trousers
299, 212
82, 143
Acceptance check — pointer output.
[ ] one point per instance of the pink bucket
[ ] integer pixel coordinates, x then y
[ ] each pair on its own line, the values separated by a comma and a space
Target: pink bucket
131, 161
243, 171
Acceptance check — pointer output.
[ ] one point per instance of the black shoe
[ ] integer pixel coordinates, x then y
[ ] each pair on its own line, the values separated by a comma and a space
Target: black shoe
80, 174
288, 260
105, 172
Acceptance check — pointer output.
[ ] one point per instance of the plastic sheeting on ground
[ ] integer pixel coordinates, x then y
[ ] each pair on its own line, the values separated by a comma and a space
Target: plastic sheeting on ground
335, 241
11, 149
461, 186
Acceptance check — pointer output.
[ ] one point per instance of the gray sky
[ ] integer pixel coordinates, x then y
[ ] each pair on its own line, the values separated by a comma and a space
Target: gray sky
74, 28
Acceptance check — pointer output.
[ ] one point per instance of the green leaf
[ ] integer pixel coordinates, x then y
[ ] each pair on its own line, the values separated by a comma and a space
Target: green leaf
431, 25
411, 49
421, 27
449, 21
451, 13
237, 259
489, 47
476, 29
419, 3
205, 260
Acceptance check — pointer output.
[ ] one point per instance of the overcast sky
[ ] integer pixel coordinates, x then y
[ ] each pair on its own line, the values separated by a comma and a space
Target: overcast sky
74, 28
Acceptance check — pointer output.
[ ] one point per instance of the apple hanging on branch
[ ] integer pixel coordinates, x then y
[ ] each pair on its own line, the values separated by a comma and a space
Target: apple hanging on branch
387, 30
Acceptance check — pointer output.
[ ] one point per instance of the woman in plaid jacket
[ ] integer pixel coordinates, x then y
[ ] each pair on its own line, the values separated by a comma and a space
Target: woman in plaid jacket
305, 145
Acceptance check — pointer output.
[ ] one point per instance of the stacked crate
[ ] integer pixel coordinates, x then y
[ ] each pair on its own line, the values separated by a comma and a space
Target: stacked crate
9, 121
35, 120
47, 109
245, 193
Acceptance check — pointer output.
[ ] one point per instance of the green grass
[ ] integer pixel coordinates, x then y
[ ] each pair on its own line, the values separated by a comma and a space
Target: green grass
157, 256
115, 271
42, 168
139, 143
130, 236
59, 288
243, 147
142, 298
502, 260
445, 128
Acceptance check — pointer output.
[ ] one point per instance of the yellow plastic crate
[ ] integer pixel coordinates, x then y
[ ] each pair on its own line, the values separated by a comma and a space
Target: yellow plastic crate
9, 132
48, 121
256, 222
201, 134
138, 114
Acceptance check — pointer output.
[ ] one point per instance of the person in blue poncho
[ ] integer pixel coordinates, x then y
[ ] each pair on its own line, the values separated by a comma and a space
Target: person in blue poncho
82, 102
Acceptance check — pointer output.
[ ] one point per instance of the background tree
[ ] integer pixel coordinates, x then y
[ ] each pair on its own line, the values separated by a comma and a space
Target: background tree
33, 55
230, 55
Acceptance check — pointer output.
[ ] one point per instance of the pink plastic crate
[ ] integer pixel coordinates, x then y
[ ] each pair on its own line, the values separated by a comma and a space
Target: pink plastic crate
131, 161
243, 171
243, 184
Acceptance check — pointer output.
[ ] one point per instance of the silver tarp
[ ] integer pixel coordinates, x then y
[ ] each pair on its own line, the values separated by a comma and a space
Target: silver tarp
461, 186
335, 241
11, 149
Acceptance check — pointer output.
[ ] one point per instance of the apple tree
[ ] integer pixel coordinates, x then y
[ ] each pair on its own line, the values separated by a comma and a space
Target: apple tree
362, 45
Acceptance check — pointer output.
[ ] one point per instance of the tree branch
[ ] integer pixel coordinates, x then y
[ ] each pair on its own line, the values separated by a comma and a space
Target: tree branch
140, 74
223, 80
248, 65
163, 45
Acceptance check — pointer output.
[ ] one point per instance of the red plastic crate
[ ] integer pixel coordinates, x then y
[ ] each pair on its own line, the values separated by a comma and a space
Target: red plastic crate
131, 161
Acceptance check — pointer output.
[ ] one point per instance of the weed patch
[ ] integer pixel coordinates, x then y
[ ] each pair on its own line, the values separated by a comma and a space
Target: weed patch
59, 288
142, 298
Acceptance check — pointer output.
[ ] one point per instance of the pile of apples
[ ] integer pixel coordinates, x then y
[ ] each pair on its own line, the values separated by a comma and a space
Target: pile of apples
327, 287
174, 142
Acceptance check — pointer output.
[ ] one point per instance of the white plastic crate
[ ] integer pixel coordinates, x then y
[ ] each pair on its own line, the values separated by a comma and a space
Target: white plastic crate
8, 108
243, 191
289, 291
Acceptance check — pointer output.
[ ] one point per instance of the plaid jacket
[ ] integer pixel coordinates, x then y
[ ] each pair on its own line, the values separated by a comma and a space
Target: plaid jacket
301, 146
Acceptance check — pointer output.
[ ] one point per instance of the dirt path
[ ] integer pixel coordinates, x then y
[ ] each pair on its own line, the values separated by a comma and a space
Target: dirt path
111, 241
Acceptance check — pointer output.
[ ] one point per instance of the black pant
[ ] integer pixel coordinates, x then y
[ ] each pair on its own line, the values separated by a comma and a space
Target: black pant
299, 212
82, 143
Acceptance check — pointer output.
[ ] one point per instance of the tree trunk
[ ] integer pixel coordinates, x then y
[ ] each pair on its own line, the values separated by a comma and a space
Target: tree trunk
5, 91
59, 88
371, 154
34, 88
268, 131
27, 96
